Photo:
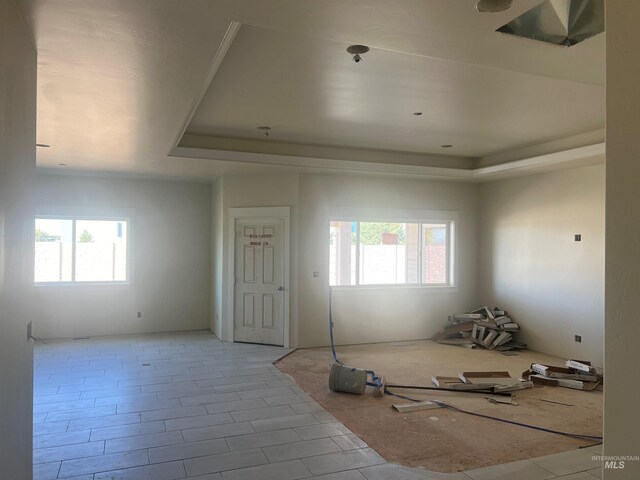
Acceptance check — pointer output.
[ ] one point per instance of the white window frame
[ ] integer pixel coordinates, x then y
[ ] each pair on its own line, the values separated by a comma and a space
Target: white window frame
74, 219
421, 217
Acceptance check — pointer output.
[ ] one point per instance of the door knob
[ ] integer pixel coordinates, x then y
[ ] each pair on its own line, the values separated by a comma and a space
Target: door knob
280, 289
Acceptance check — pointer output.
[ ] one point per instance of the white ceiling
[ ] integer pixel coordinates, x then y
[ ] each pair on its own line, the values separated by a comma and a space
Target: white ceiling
118, 79
309, 90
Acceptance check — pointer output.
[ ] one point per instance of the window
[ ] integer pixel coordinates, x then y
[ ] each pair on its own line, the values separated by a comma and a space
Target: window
390, 253
74, 250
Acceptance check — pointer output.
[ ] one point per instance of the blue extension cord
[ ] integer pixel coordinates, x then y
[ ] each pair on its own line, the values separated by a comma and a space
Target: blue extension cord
376, 382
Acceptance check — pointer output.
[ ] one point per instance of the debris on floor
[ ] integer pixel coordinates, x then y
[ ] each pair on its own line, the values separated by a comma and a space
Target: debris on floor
502, 400
412, 407
556, 402
577, 374
491, 329
493, 381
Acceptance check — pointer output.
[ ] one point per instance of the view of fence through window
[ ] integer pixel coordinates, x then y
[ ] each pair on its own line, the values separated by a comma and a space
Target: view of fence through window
382, 253
75, 250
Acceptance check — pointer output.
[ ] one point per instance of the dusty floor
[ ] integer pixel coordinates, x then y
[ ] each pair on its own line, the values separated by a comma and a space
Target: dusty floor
445, 440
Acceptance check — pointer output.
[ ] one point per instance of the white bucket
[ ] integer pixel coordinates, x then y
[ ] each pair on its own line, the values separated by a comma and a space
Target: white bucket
343, 378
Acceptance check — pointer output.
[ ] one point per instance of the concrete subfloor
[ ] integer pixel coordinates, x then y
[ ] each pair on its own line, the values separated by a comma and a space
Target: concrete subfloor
444, 440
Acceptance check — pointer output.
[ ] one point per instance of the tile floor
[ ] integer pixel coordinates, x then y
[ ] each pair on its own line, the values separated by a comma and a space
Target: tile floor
185, 405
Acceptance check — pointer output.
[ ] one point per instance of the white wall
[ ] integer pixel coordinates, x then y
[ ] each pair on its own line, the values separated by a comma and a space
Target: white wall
378, 314
367, 315
217, 256
622, 387
260, 191
531, 266
170, 259
17, 172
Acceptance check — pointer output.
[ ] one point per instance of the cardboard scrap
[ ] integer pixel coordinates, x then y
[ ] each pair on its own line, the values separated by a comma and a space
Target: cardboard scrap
491, 329
560, 372
469, 377
502, 400
553, 376
454, 383
490, 338
556, 402
583, 366
412, 407
497, 381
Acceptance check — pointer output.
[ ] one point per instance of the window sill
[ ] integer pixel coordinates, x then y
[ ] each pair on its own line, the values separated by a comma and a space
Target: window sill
81, 284
422, 288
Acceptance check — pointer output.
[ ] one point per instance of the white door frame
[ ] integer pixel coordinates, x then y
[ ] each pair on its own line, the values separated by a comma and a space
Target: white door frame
283, 213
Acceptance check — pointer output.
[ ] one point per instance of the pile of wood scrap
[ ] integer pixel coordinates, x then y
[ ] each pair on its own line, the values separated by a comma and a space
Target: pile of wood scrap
486, 328
485, 381
577, 374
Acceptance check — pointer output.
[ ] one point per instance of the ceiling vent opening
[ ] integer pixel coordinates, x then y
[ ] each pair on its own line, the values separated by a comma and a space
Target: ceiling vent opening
559, 22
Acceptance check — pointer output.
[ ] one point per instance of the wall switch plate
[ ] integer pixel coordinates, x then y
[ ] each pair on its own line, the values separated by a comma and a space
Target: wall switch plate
316, 274
578, 237
578, 338
139, 314
29, 330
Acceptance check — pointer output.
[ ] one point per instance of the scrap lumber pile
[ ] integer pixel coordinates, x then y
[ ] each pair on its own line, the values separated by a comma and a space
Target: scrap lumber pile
486, 328
496, 382
577, 374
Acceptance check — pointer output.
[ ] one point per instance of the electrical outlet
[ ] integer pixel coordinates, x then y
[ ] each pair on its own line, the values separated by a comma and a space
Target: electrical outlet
316, 274
139, 314
29, 330
578, 338
578, 237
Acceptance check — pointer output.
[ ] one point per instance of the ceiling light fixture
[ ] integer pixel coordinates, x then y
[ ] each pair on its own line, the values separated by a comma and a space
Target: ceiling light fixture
357, 51
265, 129
446, 145
493, 6
42, 145
417, 114
62, 164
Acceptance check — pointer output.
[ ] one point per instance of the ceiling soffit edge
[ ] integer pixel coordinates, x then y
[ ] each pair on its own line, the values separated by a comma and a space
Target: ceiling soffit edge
573, 157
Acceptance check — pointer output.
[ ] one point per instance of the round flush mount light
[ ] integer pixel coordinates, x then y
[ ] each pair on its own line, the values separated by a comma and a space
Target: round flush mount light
446, 145
357, 51
265, 129
42, 145
493, 6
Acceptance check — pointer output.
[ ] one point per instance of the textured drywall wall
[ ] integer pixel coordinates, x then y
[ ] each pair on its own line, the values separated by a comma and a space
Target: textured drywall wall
260, 191
170, 258
622, 277
531, 265
217, 255
17, 172
364, 315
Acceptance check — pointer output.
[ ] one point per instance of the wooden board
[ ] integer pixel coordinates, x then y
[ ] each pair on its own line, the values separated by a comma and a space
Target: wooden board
413, 407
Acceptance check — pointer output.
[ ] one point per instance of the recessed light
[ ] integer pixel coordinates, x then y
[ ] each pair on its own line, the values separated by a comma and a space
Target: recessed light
417, 114
446, 145
265, 129
42, 145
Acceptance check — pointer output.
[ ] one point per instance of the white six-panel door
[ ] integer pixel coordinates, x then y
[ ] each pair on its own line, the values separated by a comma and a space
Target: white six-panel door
259, 281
